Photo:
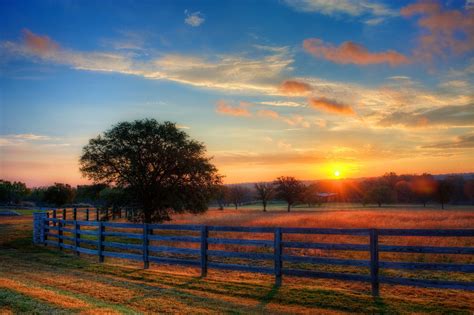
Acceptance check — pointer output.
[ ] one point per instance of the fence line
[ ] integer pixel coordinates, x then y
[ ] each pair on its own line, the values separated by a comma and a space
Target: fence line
83, 232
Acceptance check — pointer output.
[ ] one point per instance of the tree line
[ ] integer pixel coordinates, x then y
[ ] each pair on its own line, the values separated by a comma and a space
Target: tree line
387, 189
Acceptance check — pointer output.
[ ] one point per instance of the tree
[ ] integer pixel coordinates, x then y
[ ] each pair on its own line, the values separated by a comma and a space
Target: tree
310, 195
89, 193
236, 195
12, 192
265, 192
156, 164
59, 194
469, 190
424, 187
380, 193
221, 195
443, 192
289, 189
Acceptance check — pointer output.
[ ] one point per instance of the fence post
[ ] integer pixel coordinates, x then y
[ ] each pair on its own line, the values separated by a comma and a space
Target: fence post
100, 247
87, 214
277, 256
77, 236
74, 214
204, 246
64, 214
60, 234
97, 214
374, 261
54, 217
39, 231
146, 263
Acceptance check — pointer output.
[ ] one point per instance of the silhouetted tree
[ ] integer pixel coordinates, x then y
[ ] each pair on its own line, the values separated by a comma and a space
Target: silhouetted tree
12, 192
265, 192
379, 193
443, 192
59, 194
221, 194
156, 164
236, 195
310, 195
289, 189
404, 191
469, 190
89, 193
424, 187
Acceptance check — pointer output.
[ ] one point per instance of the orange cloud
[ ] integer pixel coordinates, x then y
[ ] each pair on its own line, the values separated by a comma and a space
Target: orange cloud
291, 87
449, 31
349, 52
41, 45
222, 107
330, 106
268, 113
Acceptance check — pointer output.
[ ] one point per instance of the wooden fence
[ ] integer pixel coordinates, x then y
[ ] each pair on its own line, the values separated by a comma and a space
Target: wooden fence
94, 238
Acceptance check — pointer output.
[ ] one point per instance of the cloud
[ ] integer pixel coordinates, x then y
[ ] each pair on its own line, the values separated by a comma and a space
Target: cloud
446, 116
277, 158
268, 113
460, 142
330, 106
295, 88
445, 31
351, 53
346, 7
225, 72
282, 103
17, 139
224, 108
194, 19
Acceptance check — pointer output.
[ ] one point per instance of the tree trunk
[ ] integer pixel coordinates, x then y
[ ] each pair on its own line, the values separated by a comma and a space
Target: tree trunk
442, 205
264, 207
289, 207
380, 204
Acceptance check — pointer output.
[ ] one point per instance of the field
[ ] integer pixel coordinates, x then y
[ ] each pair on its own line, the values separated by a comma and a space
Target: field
37, 279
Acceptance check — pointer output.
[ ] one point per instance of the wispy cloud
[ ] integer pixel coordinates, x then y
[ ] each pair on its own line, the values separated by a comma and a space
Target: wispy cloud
460, 142
358, 8
193, 18
446, 116
352, 53
282, 103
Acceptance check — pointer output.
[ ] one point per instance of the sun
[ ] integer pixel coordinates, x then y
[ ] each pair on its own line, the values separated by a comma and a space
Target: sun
337, 173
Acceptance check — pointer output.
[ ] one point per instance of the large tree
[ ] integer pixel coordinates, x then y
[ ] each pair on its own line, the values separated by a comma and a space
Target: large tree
289, 189
156, 164
265, 192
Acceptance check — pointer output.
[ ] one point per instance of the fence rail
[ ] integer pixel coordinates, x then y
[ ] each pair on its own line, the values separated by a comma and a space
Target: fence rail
103, 240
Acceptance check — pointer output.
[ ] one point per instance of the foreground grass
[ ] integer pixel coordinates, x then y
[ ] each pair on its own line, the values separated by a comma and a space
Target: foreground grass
37, 279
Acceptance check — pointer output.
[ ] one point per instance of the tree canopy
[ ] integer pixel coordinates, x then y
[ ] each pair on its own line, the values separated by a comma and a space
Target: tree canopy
289, 189
156, 164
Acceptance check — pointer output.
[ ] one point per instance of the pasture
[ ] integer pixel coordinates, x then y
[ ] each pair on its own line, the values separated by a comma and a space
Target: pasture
43, 279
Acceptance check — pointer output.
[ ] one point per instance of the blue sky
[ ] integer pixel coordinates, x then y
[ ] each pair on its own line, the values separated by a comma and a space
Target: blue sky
289, 87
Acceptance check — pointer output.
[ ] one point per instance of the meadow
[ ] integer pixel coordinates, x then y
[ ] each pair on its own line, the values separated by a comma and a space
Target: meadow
38, 279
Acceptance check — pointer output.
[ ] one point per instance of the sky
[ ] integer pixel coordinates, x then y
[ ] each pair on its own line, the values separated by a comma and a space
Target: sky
300, 88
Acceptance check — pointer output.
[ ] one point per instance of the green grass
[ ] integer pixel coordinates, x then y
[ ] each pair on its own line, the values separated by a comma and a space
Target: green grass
123, 287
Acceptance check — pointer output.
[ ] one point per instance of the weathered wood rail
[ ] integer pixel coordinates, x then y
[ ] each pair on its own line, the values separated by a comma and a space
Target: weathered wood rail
94, 238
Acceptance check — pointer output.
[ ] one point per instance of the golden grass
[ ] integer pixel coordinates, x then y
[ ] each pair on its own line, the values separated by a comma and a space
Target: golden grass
48, 296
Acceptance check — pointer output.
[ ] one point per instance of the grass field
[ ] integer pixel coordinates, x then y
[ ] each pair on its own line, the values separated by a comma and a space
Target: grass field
37, 279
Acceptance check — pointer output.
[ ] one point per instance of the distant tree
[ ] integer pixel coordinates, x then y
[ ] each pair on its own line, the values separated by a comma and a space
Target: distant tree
310, 195
236, 195
265, 192
469, 190
12, 192
158, 166
89, 193
221, 195
289, 189
59, 194
443, 192
37, 194
379, 193
423, 187
404, 191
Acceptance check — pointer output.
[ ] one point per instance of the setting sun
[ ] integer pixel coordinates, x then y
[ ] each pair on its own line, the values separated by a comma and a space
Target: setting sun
337, 173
